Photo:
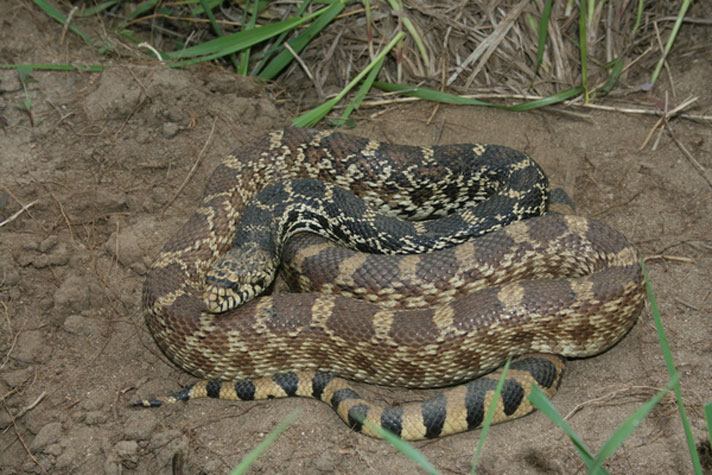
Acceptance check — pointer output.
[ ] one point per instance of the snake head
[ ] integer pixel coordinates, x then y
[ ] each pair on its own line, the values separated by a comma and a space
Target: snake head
238, 277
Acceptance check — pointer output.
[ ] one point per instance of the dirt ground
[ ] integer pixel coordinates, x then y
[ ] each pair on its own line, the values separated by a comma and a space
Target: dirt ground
100, 167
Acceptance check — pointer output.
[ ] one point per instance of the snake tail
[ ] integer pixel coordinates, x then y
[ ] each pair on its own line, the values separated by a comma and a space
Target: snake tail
455, 410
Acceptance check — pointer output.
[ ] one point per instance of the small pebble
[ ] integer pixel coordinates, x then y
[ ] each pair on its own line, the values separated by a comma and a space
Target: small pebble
48, 243
48, 435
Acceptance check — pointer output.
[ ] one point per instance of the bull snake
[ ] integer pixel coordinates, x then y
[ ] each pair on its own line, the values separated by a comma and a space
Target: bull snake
301, 344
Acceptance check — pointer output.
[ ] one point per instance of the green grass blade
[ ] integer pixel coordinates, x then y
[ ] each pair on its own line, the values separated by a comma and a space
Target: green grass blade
86, 12
629, 425
672, 371
209, 13
447, 98
140, 10
490, 415
57, 67
199, 10
708, 419
264, 445
583, 50
313, 116
638, 17
545, 101
361, 94
397, 6
207, 9
403, 447
279, 40
229, 44
297, 44
542, 403
24, 74
678, 22
244, 65
59, 16
616, 67
543, 34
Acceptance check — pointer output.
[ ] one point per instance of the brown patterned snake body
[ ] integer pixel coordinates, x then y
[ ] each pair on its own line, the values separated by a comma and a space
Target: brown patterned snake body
581, 292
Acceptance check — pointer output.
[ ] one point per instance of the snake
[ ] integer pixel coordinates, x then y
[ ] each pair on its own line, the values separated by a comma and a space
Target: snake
513, 283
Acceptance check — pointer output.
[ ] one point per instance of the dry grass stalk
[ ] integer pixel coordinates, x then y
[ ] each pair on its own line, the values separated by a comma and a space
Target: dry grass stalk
479, 46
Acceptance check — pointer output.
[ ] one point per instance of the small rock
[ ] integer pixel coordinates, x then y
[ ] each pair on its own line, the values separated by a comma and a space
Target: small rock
5, 420
127, 450
92, 403
78, 416
9, 275
111, 99
48, 435
48, 243
75, 324
138, 240
144, 136
111, 467
53, 449
139, 268
231, 84
18, 377
215, 466
160, 195
66, 462
170, 129
95, 418
31, 244
32, 347
46, 464
174, 114
81, 325
140, 425
59, 257
326, 462
73, 294
167, 443
10, 83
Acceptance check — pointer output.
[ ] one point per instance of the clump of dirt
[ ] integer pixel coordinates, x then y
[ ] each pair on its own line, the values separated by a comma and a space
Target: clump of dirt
116, 161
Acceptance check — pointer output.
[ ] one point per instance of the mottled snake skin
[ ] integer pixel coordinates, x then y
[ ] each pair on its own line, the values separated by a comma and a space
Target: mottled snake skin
581, 291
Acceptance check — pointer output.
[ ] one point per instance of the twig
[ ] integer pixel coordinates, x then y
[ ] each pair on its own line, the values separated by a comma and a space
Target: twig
19, 212
665, 118
63, 213
702, 171
22, 441
667, 257
663, 58
488, 45
688, 305
152, 49
26, 409
696, 21
527, 97
70, 15
304, 66
140, 84
9, 352
599, 401
193, 168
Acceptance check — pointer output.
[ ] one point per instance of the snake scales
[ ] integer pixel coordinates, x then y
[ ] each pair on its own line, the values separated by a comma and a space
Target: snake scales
298, 344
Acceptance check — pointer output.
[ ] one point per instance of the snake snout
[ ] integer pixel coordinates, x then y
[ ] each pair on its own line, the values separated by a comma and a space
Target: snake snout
236, 278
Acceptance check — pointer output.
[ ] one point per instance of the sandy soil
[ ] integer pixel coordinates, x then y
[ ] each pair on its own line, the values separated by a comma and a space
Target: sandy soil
102, 163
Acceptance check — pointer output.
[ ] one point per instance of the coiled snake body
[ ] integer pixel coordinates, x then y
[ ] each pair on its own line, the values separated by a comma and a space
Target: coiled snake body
299, 344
